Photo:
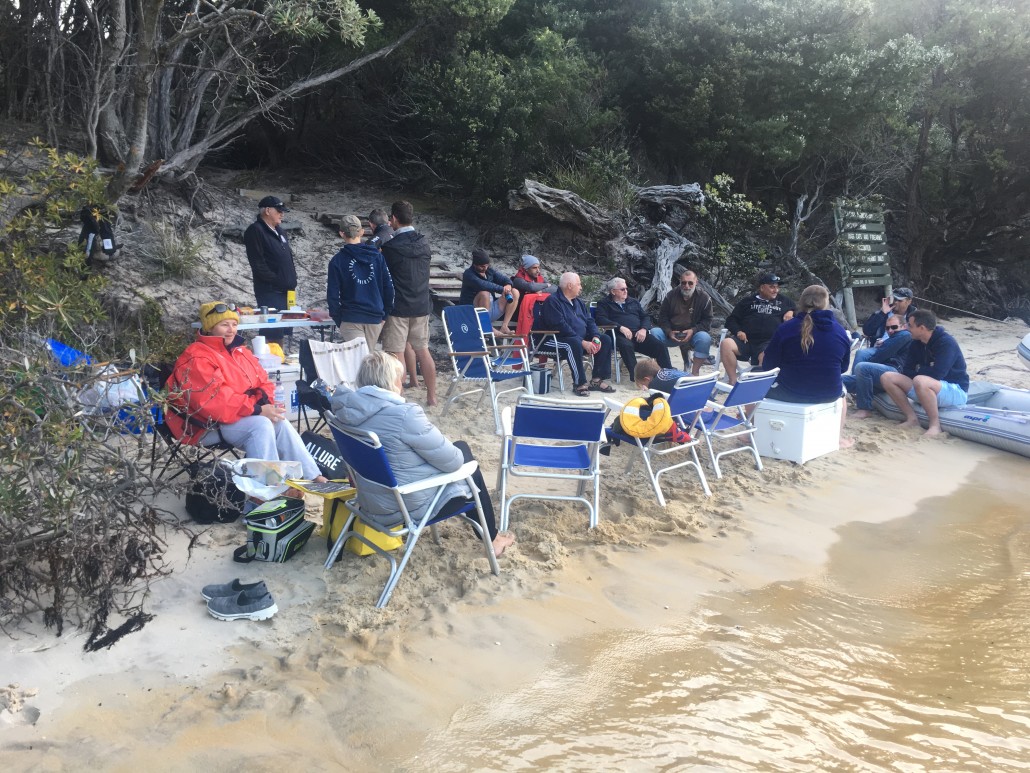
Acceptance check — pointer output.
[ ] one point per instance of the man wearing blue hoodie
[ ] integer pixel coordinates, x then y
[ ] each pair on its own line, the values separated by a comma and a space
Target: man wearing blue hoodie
360, 290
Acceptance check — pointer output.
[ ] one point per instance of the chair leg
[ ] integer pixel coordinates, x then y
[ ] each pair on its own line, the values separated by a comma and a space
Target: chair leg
340, 539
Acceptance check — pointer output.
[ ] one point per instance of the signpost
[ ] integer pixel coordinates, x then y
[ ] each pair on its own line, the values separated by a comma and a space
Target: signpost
863, 262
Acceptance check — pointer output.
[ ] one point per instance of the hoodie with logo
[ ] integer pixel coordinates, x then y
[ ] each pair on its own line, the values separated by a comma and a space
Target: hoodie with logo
359, 289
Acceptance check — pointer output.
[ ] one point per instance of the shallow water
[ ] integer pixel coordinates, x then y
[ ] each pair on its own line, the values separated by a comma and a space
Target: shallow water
917, 660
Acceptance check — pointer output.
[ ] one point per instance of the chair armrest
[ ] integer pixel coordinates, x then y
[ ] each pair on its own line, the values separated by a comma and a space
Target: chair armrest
612, 404
506, 421
442, 479
466, 354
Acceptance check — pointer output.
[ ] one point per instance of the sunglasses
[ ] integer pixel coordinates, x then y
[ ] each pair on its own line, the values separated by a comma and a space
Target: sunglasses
894, 327
687, 284
221, 308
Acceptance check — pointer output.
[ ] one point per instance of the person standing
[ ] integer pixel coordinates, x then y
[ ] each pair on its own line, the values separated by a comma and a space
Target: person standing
359, 288
685, 320
408, 257
381, 230
271, 263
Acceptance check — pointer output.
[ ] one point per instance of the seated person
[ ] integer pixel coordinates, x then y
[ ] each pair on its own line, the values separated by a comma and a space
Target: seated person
218, 392
888, 355
632, 326
899, 303
649, 374
488, 288
811, 350
752, 323
416, 449
685, 320
934, 373
577, 334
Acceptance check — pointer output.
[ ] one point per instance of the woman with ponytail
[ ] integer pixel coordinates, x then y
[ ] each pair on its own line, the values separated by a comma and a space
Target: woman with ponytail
812, 351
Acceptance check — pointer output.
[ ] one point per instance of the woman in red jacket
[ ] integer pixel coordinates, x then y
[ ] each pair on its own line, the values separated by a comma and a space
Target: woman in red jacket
218, 391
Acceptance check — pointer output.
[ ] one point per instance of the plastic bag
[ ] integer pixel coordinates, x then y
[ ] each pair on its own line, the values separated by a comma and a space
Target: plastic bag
109, 390
263, 479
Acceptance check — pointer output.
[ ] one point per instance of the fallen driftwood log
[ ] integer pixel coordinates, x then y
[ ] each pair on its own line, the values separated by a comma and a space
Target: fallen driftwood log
564, 206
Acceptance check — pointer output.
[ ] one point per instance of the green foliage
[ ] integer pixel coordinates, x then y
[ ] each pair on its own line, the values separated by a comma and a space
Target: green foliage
601, 175
491, 118
44, 280
733, 227
175, 254
316, 19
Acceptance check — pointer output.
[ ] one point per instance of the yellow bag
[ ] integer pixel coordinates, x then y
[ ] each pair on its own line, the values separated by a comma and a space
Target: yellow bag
645, 417
332, 526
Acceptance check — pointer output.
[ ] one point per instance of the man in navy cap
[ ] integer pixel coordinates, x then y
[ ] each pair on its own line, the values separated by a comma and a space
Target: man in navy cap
271, 261
752, 323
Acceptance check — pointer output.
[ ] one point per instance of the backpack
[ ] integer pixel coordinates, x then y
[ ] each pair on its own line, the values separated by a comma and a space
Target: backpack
276, 531
646, 417
212, 496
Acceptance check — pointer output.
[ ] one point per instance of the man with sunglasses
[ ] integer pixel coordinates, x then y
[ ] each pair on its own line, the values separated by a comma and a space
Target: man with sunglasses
271, 262
685, 320
887, 357
900, 302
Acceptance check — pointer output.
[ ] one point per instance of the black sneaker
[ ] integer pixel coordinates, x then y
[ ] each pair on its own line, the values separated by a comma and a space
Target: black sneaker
231, 589
246, 605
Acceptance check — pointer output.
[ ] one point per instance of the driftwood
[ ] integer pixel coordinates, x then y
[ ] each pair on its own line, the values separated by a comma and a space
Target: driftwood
564, 206
689, 195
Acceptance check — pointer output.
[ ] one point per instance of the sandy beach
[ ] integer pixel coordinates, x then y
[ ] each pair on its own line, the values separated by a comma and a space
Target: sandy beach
330, 683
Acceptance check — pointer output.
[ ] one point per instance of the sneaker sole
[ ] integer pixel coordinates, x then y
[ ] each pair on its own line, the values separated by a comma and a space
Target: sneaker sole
261, 614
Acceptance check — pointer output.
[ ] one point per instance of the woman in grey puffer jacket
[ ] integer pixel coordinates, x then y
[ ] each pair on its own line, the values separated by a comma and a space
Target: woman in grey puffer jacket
415, 447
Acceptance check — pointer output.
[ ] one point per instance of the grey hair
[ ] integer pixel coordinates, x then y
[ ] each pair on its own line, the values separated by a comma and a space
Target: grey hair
378, 217
610, 285
566, 279
381, 370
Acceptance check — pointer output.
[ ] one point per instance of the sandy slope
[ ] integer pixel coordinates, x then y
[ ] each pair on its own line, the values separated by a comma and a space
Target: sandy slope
331, 683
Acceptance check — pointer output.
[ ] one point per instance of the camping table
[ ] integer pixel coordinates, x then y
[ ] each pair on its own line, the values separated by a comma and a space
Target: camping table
321, 327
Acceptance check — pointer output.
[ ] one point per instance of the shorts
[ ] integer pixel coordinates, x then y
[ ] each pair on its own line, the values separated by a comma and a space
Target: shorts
405, 330
950, 395
496, 310
350, 331
749, 351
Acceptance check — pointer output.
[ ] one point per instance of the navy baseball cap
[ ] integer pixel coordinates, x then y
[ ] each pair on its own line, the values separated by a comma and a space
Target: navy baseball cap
768, 279
274, 202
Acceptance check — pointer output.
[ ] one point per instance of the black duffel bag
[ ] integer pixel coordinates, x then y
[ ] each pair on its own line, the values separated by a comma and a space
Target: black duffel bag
212, 496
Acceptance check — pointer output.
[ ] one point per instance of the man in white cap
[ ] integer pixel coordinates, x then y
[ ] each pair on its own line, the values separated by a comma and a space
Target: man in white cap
359, 290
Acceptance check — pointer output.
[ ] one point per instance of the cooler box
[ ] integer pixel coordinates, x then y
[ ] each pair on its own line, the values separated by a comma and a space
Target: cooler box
287, 375
796, 432
541, 377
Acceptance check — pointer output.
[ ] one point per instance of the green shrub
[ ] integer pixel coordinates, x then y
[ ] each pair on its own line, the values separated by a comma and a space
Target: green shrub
175, 255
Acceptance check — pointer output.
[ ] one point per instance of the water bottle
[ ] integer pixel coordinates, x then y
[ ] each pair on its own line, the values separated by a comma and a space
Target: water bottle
322, 388
509, 297
280, 395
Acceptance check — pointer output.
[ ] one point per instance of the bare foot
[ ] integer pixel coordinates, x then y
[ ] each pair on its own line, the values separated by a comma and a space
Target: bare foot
320, 479
430, 402
502, 542
504, 330
910, 423
846, 442
861, 413
935, 432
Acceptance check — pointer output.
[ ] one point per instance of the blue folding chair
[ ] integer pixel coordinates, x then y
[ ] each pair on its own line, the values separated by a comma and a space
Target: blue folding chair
553, 439
731, 421
687, 400
479, 363
366, 460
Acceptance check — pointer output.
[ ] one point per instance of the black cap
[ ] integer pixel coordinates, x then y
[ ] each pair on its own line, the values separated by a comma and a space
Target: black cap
274, 202
480, 257
768, 278
902, 293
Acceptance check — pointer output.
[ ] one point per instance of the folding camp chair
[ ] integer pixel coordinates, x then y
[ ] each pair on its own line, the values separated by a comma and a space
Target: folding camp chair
369, 467
338, 362
687, 400
543, 343
188, 457
309, 398
731, 421
609, 330
477, 362
552, 439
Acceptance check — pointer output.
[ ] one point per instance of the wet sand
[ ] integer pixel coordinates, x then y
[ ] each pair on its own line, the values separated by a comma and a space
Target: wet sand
330, 683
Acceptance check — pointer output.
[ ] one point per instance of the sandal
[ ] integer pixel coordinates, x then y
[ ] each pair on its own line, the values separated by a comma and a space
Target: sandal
600, 385
581, 391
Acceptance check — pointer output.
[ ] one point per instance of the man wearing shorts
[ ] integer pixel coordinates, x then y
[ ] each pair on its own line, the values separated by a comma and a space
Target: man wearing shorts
488, 288
359, 289
752, 323
934, 373
408, 257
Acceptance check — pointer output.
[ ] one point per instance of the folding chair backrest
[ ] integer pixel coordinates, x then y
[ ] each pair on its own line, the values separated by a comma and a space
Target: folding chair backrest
307, 362
528, 312
691, 393
751, 387
485, 323
338, 363
558, 422
464, 334
364, 454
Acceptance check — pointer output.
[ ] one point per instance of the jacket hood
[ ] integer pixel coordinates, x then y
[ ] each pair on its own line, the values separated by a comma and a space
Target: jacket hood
822, 319
360, 253
354, 408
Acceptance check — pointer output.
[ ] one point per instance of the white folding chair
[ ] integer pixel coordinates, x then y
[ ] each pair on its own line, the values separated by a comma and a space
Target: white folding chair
547, 438
731, 420
687, 399
338, 362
